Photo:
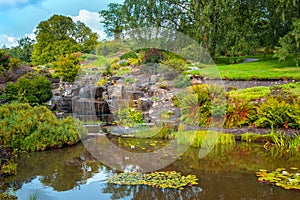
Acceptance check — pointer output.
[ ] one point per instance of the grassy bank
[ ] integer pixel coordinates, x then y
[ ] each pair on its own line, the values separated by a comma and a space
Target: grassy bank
265, 68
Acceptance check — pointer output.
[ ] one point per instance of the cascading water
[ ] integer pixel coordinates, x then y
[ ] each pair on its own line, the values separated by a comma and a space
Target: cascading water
90, 105
84, 107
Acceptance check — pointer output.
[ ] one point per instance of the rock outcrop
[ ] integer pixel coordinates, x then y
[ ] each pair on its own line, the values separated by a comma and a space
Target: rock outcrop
150, 94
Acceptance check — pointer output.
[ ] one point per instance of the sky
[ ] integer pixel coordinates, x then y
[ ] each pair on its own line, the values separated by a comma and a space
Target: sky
18, 18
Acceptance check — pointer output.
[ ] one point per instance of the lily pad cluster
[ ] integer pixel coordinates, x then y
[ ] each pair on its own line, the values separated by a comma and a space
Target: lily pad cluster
289, 180
168, 179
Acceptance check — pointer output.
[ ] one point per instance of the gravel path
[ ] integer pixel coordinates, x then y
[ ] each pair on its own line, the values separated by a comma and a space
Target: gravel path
251, 83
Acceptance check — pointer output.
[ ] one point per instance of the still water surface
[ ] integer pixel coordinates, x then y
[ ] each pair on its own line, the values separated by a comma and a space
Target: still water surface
226, 173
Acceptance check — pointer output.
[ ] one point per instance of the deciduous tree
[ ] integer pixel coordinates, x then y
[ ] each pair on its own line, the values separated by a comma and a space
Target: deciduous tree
113, 20
59, 36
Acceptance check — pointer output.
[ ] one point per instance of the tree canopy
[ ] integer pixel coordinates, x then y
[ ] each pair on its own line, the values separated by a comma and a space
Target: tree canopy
59, 36
223, 27
23, 51
290, 44
113, 20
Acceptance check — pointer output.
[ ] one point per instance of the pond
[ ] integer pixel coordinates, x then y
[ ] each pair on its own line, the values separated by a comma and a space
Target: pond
227, 172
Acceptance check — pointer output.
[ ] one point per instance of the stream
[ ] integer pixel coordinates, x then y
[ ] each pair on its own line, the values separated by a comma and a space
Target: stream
227, 172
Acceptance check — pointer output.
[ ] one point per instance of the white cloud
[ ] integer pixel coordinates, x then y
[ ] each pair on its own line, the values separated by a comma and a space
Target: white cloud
31, 35
9, 4
90, 19
11, 41
8, 41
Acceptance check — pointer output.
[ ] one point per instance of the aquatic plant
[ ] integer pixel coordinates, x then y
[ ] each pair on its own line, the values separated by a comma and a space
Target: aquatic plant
197, 138
281, 177
9, 168
294, 144
288, 143
226, 139
168, 179
139, 145
253, 137
33, 196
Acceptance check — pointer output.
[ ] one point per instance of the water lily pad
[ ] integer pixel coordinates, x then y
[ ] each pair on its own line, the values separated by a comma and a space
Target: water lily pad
281, 177
168, 179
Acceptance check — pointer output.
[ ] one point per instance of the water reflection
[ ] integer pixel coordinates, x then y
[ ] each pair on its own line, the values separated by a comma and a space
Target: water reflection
62, 170
226, 173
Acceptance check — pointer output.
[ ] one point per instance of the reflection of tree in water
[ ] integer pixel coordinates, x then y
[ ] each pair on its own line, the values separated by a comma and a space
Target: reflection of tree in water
62, 169
65, 178
118, 191
146, 192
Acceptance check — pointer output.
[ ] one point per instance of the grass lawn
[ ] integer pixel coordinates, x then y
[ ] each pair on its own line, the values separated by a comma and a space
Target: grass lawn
265, 68
96, 60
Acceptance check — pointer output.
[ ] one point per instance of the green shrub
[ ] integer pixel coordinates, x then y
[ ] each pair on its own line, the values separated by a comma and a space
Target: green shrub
105, 50
115, 66
34, 89
4, 61
27, 128
153, 56
107, 70
123, 70
182, 81
130, 54
196, 106
250, 94
14, 63
276, 112
55, 76
67, 67
177, 64
130, 117
102, 81
239, 113
123, 63
134, 61
203, 105
109, 47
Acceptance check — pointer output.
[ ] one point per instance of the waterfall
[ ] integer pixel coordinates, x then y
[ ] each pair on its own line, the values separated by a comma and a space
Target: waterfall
89, 105
84, 106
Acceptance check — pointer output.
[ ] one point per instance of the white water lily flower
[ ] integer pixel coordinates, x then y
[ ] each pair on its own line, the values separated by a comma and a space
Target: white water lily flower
284, 172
